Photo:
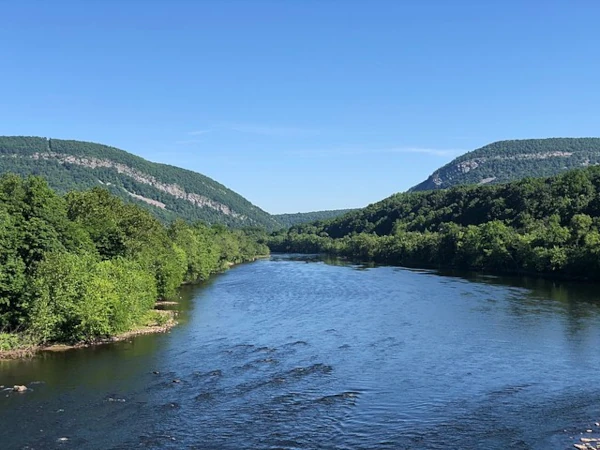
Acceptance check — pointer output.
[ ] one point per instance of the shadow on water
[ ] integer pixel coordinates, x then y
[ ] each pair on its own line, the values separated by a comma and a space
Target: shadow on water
567, 292
336, 261
576, 296
578, 301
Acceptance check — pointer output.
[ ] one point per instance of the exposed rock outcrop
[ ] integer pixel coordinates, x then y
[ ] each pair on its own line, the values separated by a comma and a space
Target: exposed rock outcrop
171, 189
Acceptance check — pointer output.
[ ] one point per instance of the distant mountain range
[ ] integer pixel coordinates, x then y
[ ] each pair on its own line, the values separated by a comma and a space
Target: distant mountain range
169, 192
506, 161
289, 220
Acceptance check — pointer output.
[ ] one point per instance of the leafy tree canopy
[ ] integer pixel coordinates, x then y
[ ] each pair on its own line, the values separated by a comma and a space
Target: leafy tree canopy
88, 265
535, 225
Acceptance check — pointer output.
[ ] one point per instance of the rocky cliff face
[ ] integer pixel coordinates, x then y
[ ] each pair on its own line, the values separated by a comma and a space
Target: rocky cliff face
169, 192
511, 160
171, 189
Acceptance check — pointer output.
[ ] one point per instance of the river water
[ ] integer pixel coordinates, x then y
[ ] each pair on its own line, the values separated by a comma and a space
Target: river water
298, 353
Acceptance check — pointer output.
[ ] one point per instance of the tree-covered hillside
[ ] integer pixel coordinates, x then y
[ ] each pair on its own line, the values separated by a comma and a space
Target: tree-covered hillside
288, 220
169, 192
505, 161
535, 225
88, 265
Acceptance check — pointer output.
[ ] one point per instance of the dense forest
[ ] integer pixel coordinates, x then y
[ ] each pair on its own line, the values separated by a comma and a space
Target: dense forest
88, 265
513, 160
289, 220
535, 225
167, 191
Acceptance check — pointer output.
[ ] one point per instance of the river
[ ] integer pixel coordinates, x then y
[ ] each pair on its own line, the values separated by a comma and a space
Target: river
298, 353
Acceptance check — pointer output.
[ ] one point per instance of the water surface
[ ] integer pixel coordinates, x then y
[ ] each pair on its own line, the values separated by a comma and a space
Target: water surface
297, 353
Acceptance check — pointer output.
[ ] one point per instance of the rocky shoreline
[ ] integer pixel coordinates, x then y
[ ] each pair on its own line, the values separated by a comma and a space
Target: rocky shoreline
29, 351
589, 443
161, 307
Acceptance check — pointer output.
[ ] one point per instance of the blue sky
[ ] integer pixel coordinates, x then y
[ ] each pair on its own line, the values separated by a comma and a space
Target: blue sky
301, 105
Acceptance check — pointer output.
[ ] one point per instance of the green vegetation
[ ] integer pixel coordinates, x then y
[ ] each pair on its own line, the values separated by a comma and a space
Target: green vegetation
9, 342
289, 220
88, 265
549, 226
156, 318
168, 192
506, 161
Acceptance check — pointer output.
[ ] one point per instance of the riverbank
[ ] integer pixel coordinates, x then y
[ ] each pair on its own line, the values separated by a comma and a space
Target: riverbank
163, 321
87, 265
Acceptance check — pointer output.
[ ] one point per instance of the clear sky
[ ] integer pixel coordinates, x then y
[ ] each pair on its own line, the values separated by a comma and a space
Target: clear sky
301, 105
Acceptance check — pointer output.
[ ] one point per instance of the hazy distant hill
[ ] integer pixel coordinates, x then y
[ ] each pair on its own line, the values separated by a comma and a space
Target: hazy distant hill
168, 191
505, 161
288, 220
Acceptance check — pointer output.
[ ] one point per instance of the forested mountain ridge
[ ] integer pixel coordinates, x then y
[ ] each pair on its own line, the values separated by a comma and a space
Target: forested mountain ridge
291, 219
505, 161
169, 192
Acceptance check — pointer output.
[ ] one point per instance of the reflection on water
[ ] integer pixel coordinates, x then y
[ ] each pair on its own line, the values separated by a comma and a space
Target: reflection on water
300, 352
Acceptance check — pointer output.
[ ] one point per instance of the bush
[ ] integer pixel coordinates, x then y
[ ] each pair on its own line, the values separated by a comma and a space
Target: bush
9, 342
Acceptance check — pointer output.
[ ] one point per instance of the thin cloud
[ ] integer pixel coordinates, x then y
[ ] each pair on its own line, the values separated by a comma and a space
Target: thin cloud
253, 128
188, 141
268, 130
428, 151
193, 140
377, 151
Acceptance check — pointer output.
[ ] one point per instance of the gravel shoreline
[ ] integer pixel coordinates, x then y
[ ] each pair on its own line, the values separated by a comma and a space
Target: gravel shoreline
29, 351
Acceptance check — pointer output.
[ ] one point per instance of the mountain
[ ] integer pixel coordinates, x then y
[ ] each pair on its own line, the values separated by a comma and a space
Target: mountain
168, 191
289, 220
505, 161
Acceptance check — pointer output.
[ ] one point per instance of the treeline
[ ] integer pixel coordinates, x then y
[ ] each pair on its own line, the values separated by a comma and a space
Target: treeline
549, 226
87, 265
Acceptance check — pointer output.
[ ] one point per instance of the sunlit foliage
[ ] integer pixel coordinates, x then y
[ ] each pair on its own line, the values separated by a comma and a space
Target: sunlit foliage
542, 225
88, 265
